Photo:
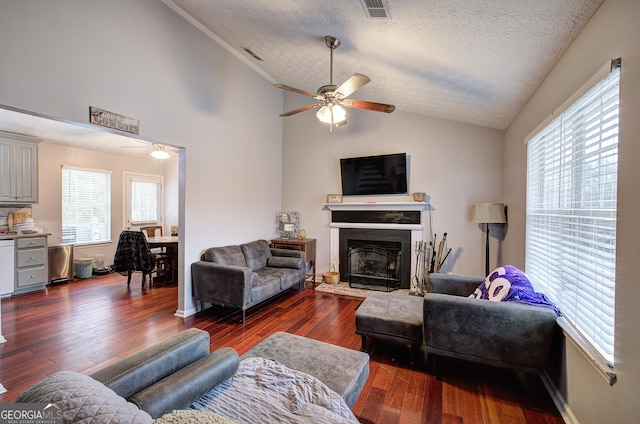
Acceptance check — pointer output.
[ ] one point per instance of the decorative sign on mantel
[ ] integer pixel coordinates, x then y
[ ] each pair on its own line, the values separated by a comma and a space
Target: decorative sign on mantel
113, 120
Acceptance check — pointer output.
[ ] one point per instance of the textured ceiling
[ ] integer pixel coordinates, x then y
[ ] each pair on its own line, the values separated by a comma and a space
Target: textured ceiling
474, 61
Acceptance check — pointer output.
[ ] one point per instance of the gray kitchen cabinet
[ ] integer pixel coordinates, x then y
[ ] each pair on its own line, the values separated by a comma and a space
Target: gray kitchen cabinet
30, 264
18, 168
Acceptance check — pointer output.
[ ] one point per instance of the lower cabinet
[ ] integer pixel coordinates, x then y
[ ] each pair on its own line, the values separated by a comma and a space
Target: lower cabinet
31, 264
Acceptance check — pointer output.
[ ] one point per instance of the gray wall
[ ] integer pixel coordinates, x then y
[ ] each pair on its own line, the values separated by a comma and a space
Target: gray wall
455, 164
613, 32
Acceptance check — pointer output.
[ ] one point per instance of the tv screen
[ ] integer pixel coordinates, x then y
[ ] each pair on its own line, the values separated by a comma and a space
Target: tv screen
383, 174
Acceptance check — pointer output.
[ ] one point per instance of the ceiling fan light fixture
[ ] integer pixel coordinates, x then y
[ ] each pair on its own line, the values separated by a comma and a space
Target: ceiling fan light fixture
160, 153
331, 114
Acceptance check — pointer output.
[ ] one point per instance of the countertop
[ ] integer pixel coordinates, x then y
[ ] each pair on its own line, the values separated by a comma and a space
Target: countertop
15, 236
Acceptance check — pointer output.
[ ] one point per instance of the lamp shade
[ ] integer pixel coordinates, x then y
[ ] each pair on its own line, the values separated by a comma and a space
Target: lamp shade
489, 213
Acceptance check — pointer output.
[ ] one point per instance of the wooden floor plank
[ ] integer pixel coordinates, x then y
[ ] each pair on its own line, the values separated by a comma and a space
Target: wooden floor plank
88, 324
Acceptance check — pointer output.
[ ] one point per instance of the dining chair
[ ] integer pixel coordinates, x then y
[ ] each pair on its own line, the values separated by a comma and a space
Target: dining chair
160, 253
133, 254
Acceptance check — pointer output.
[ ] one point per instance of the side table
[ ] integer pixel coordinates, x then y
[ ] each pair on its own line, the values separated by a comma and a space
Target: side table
307, 245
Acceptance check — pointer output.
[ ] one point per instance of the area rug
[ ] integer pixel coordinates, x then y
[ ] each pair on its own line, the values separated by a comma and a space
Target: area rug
345, 290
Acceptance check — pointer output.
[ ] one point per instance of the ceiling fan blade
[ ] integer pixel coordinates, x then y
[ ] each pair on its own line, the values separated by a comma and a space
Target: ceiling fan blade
300, 109
295, 90
353, 84
362, 104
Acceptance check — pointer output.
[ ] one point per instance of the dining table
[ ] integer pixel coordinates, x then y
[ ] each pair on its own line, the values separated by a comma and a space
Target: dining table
170, 245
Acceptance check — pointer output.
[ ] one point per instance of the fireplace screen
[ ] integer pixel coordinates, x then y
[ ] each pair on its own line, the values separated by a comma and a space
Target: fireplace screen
374, 267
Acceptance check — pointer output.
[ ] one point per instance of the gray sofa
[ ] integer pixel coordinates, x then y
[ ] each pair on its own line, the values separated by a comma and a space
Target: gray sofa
504, 334
171, 375
449, 323
241, 276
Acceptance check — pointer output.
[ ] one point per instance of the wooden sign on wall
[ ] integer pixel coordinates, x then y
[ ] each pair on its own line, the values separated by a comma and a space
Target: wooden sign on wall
113, 120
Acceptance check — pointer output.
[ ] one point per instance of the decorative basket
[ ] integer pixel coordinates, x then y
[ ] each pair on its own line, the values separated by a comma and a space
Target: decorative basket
331, 277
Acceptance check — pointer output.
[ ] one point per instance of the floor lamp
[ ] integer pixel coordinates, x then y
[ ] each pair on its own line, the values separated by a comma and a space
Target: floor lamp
488, 213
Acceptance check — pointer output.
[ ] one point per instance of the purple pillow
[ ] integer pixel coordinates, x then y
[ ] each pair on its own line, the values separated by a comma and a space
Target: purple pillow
508, 283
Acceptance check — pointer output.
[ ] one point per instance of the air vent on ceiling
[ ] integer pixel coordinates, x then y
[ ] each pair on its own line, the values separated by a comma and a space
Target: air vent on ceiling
253, 54
377, 9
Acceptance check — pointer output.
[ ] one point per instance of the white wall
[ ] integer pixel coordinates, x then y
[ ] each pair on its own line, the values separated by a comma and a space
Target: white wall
48, 211
142, 60
455, 164
613, 32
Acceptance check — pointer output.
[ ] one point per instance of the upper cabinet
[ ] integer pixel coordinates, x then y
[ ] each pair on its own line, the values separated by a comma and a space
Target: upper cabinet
18, 168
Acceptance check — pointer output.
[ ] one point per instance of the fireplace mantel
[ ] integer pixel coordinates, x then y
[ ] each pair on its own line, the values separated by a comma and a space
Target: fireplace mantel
380, 206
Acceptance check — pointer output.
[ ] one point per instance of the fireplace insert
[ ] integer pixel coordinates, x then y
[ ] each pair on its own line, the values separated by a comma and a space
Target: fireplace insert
374, 266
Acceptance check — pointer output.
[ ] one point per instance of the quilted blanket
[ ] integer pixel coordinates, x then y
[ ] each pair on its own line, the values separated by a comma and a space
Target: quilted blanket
265, 391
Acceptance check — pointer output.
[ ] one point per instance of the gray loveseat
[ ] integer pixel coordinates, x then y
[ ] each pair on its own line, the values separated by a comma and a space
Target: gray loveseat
505, 334
179, 372
241, 276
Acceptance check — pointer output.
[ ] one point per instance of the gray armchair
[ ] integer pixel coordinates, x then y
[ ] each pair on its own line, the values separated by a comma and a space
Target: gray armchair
504, 334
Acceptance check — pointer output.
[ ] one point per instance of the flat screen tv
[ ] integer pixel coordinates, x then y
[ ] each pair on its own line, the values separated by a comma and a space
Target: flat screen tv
383, 174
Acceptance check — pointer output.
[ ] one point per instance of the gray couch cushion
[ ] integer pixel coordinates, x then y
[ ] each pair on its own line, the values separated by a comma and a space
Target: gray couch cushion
256, 254
227, 255
343, 370
84, 400
266, 285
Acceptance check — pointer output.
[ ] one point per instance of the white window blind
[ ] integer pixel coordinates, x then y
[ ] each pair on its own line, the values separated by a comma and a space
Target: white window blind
572, 168
86, 206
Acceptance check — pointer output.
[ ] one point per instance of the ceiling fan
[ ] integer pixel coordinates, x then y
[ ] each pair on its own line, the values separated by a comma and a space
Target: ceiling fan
331, 97
157, 151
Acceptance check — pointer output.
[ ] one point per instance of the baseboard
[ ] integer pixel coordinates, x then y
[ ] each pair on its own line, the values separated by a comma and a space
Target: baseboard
559, 401
185, 313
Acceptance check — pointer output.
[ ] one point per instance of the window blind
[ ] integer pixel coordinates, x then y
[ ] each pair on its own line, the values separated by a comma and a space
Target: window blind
572, 168
86, 206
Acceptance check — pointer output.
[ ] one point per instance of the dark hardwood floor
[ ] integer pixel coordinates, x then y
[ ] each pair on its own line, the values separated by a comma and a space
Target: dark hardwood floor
88, 324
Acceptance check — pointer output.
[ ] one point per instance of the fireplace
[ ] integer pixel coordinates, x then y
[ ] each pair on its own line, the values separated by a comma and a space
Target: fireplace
374, 265
380, 255
392, 227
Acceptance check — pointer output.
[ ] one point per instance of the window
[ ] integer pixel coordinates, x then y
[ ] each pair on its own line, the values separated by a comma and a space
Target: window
86, 206
572, 167
143, 199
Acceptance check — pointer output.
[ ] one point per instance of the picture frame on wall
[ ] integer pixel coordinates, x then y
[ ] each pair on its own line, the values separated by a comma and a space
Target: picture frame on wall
289, 224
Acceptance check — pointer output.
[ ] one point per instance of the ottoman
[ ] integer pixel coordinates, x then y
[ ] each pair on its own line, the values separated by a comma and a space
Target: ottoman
391, 316
345, 371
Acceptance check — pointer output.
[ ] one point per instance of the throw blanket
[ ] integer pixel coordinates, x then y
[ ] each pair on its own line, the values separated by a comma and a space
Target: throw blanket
508, 283
265, 391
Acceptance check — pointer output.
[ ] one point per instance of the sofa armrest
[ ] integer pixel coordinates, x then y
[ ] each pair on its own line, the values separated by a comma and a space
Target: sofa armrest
458, 285
508, 334
150, 365
183, 387
222, 284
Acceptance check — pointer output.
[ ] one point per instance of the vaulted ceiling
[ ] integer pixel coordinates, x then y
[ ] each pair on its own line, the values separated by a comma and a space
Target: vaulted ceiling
474, 61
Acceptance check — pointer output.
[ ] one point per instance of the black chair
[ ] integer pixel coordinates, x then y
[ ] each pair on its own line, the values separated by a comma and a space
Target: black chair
160, 254
133, 254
